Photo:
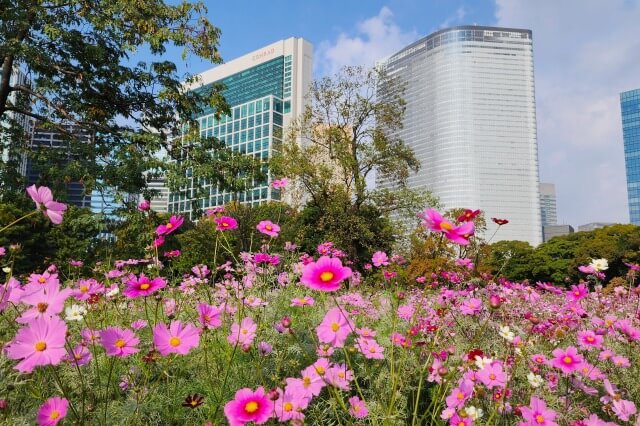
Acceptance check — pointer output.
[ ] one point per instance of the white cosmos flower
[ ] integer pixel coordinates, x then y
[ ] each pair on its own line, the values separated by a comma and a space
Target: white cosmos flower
599, 264
506, 333
114, 290
473, 412
75, 313
534, 380
482, 362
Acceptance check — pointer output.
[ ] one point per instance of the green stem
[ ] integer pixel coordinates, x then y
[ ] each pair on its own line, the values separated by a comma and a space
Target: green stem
19, 219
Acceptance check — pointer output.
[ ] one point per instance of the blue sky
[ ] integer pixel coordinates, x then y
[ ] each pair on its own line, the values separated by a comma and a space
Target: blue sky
585, 51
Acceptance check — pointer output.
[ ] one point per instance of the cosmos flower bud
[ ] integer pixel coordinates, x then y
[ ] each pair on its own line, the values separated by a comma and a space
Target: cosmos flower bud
494, 301
286, 321
274, 394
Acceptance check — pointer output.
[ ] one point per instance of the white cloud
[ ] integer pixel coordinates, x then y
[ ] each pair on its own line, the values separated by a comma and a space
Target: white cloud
586, 52
457, 17
374, 38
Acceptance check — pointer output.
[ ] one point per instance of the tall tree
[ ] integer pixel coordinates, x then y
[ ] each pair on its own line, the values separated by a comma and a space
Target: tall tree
82, 58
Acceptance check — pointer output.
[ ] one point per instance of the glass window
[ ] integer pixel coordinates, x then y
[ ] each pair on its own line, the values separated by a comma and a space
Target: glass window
243, 124
251, 108
259, 106
210, 121
287, 107
236, 113
243, 112
266, 104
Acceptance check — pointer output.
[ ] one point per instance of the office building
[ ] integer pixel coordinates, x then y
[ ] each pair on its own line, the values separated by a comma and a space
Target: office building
266, 89
471, 121
550, 231
548, 212
594, 225
15, 129
630, 108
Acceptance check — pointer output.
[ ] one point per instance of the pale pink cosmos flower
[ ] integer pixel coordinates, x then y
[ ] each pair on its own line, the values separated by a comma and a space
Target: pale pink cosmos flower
492, 375
370, 348
335, 328
45, 303
52, 411
339, 376
40, 342
209, 315
44, 201
471, 306
310, 385
357, 408
380, 258
537, 414
289, 407
302, 301
459, 395
178, 338
119, 342
280, 183
243, 333
268, 228
624, 409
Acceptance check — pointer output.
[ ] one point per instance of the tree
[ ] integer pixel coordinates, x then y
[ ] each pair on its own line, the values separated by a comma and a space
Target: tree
511, 259
81, 57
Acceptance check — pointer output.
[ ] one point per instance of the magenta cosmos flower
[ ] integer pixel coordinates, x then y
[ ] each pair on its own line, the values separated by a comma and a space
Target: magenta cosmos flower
248, 406
143, 286
437, 223
40, 342
52, 411
334, 328
567, 360
268, 228
174, 223
44, 201
175, 339
537, 414
209, 315
280, 183
225, 223
119, 342
325, 274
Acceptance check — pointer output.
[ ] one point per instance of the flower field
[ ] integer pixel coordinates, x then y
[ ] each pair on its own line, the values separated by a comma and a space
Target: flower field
308, 338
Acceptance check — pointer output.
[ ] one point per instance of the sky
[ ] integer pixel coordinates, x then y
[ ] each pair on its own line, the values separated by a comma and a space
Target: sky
585, 52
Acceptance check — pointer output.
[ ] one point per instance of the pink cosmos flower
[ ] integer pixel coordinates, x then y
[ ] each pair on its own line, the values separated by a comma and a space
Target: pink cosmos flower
45, 303
437, 223
209, 315
577, 292
537, 414
40, 342
620, 361
624, 409
139, 324
311, 383
325, 274
460, 394
225, 223
174, 223
79, 356
158, 241
334, 328
3, 251
370, 348
268, 228
339, 376
588, 339
567, 360
143, 286
280, 183
289, 407
471, 306
175, 339
357, 408
44, 201
39, 281
380, 258
248, 406
87, 288
144, 205
243, 333
302, 301
52, 411
119, 342
10, 292
492, 375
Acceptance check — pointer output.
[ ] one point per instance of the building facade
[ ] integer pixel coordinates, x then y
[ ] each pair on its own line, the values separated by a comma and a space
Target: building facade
265, 89
548, 210
550, 231
630, 108
471, 121
10, 123
594, 225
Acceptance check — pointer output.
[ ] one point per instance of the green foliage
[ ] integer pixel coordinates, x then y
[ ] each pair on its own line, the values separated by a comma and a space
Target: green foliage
511, 259
81, 58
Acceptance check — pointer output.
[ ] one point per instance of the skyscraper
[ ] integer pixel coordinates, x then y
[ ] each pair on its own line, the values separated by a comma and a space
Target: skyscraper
15, 129
630, 107
548, 210
265, 89
471, 121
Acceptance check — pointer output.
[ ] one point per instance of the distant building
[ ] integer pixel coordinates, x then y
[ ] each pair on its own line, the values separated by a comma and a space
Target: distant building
160, 202
48, 139
550, 231
10, 154
265, 89
471, 122
630, 108
594, 225
548, 211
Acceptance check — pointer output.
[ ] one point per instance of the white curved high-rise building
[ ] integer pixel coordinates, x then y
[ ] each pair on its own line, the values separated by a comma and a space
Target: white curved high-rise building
471, 121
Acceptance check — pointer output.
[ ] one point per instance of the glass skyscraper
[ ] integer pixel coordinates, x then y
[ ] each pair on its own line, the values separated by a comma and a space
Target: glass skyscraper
265, 90
630, 107
471, 121
548, 209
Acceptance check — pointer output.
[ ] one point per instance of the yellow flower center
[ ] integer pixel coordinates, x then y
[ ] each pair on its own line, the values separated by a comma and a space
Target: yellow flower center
174, 341
268, 227
120, 343
78, 357
590, 339
335, 327
356, 408
461, 424
84, 289
244, 331
251, 407
40, 346
42, 280
194, 403
341, 375
42, 307
539, 419
287, 406
460, 396
306, 381
207, 318
225, 224
145, 286
320, 370
577, 293
492, 376
539, 360
567, 360
446, 226
54, 414
326, 276
169, 226
372, 350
